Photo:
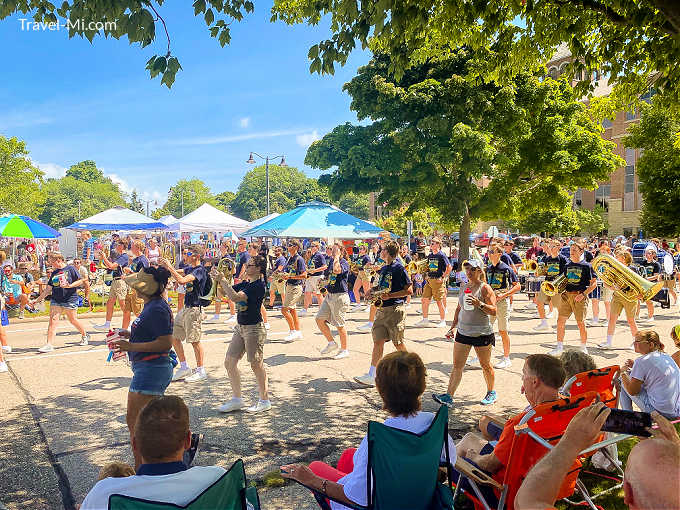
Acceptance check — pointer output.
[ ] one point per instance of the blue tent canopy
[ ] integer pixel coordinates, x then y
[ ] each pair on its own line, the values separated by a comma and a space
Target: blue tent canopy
118, 218
316, 219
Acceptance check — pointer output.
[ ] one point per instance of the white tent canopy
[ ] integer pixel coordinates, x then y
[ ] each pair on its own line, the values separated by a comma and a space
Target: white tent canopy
209, 219
118, 218
264, 219
168, 219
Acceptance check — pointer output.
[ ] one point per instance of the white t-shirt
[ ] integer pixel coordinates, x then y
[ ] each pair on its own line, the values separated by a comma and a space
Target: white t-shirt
178, 488
354, 484
660, 378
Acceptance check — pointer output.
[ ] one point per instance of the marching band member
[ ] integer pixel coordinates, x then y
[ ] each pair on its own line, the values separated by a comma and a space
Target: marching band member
134, 304
554, 264
253, 251
118, 290
406, 260
390, 318
600, 293
277, 284
335, 306
439, 268
231, 266
295, 273
363, 280
503, 280
619, 303
653, 271
581, 281
316, 266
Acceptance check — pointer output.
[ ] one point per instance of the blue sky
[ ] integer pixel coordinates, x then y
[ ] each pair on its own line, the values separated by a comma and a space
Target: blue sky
70, 100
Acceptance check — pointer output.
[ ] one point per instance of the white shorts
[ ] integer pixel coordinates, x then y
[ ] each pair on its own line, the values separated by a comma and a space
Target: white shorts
312, 284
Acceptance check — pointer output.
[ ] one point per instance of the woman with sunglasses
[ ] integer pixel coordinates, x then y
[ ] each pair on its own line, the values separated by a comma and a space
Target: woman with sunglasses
472, 321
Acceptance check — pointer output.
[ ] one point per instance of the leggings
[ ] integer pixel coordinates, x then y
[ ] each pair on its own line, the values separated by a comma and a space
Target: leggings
345, 466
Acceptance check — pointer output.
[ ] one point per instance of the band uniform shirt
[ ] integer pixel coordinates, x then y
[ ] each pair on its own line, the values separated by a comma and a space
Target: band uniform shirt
579, 275
651, 268
337, 283
500, 277
295, 267
242, 258
514, 258
249, 312
154, 321
122, 260
68, 274
192, 296
362, 260
138, 263
554, 266
316, 261
437, 264
394, 277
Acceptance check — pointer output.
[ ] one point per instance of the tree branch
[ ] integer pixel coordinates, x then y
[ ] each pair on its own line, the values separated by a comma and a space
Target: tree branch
159, 17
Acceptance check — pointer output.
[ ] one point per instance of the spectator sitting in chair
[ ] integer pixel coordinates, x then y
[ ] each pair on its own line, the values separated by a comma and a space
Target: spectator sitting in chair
13, 289
400, 380
542, 377
651, 479
161, 437
576, 361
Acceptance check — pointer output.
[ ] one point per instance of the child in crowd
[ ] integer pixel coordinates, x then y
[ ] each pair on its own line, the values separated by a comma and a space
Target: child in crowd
116, 470
418, 281
675, 335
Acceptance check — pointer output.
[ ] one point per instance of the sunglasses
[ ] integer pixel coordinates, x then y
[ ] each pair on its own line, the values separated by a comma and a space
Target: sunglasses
189, 254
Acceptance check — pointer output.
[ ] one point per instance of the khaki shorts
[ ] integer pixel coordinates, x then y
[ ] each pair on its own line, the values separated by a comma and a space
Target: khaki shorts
669, 284
568, 306
292, 296
544, 299
249, 339
502, 314
389, 324
334, 308
188, 324
119, 289
279, 287
435, 289
363, 277
312, 284
607, 294
618, 304
132, 302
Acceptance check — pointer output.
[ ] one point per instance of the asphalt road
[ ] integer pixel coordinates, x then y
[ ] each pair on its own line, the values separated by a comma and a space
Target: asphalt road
63, 413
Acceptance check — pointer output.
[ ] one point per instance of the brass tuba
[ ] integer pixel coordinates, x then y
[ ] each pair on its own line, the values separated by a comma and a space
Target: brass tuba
625, 282
414, 267
557, 286
168, 253
226, 267
530, 265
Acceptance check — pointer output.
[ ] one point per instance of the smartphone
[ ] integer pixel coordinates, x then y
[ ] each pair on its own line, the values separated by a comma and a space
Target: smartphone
634, 423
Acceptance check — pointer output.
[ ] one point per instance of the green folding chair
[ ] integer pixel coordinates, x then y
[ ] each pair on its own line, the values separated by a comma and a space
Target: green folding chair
229, 492
405, 468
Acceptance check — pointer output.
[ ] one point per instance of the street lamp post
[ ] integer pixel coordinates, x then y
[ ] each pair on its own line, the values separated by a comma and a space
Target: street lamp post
147, 205
251, 161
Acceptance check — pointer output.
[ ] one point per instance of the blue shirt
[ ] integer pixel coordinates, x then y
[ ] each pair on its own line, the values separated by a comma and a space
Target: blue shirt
295, 267
500, 277
154, 321
337, 283
318, 260
437, 264
280, 262
88, 245
243, 258
122, 261
138, 263
59, 294
579, 275
249, 312
394, 277
195, 287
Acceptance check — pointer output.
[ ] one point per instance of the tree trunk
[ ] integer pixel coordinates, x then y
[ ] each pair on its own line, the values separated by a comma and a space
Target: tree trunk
464, 236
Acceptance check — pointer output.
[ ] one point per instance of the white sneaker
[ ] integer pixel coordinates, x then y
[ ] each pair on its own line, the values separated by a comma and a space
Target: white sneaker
102, 327
423, 323
583, 349
84, 340
549, 315
544, 326
441, 324
472, 362
262, 405
368, 309
649, 320
215, 319
233, 405
504, 363
594, 323
181, 373
289, 337
366, 380
344, 353
198, 375
605, 346
407, 306
46, 348
3, 367
231, 319
330, 347
7, 348
267, 326
297, 335
366, 327
557, 350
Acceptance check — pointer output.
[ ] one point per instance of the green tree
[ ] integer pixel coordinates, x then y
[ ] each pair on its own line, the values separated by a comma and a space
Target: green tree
356, 204
224, 200
135, 204
436, 136
288, 188
86, 171
562, 221
632, 42
658, 134
188, 195
426, 220
20, 180
592, 222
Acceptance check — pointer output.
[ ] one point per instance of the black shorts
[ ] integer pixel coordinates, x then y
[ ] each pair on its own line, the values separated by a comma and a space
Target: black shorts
476, 341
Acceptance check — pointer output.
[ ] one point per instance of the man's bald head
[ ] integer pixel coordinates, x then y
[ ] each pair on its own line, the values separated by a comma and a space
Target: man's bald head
652, 481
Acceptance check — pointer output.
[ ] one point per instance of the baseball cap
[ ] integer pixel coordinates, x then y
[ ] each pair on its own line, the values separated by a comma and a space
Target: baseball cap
473, 263
651, 247
142, 282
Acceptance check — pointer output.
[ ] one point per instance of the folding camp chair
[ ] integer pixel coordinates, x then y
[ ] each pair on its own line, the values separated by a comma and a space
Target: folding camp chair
538, 431
404, 467
600, 380
229, 492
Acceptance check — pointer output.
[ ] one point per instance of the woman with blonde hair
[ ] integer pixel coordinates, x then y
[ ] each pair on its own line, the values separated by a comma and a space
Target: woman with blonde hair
675, 336
652, 381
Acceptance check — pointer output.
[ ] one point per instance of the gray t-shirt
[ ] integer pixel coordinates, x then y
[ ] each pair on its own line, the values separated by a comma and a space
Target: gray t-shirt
473, 322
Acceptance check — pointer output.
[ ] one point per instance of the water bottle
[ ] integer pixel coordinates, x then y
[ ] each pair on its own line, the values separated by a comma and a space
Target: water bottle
466, 300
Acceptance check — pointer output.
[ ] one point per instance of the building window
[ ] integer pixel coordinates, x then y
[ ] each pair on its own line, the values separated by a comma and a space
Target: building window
631, 115
627, 231
578, 198
606, 123
552, 72
629, 181
563, 68
602, 195
647, 96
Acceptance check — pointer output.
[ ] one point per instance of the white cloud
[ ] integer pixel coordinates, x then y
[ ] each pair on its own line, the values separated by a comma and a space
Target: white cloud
51, 170
215, 140
305, 140
122, 183
244, 122
23, 120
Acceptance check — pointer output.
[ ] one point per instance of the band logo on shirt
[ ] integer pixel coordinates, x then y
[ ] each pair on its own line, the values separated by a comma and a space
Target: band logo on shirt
574, 275
552, 269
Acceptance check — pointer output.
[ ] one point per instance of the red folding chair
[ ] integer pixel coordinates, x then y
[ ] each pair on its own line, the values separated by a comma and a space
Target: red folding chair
538, 431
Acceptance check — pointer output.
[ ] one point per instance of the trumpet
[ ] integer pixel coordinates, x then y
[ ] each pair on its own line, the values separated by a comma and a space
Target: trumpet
624, 281
557, 286
530, 265
376, 297
419, 266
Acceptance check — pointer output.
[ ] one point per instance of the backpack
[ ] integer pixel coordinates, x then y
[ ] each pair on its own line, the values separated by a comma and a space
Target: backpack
207, 290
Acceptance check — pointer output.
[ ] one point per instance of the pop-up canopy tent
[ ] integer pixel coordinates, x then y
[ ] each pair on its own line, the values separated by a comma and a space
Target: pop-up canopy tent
168, 219
316, 219
264, 219
118, 218
209, 219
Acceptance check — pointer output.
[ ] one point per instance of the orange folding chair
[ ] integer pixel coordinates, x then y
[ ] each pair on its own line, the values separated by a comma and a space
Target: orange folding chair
600, 380
538, 431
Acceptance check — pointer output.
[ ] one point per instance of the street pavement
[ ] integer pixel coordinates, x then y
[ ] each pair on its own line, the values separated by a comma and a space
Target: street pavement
63, 413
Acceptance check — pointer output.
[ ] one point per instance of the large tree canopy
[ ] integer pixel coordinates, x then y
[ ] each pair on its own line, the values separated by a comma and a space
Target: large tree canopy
469, 149
629, 40
20, 180
658, 168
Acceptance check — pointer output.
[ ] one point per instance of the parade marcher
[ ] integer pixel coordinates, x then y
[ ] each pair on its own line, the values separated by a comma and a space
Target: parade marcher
134, 303
225, 259
581, 281
148, 341
277, 284
439, 268
62, 284
407, 259
363, 281
653, 271
295, 274
554, 265
316, 266
188, 320
503, 280
378, 263
249, 334
619, 303
335, 306
118, 290
390, 318
600, 293
254, 249
472, 322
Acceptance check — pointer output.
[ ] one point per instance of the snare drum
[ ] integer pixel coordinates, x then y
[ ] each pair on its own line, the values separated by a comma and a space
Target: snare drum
523, 282
534, 284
